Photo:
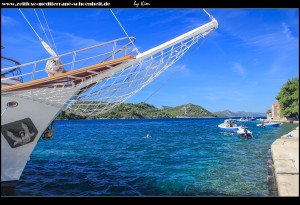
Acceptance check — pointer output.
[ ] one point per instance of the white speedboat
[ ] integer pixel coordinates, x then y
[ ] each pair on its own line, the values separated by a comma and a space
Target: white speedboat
88, 82
229, 125
269, 124
244, 132
243, 119
252, 119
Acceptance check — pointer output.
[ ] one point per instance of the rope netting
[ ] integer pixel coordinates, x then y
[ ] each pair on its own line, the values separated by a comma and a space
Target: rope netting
112, 91
99, 92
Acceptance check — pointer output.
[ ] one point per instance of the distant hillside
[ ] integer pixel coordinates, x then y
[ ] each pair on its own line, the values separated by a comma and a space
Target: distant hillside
128, 110
228, 113
145, 110
188, 110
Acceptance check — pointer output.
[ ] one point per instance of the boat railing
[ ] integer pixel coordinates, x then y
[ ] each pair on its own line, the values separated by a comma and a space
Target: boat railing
73, 60
15, 70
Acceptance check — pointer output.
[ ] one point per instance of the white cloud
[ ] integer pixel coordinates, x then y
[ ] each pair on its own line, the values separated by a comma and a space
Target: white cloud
73, 42
287, 31
273, 37
264, 40
239, 69
5, 20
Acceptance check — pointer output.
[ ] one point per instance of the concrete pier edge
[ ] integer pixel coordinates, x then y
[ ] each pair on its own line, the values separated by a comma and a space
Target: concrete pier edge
285, 157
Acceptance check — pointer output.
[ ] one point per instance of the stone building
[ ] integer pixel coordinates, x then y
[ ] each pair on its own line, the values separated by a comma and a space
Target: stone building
275, 113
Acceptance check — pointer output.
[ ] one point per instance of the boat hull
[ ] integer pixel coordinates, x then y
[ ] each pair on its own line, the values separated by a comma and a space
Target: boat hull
228, 129
8, 187
269, 125
37, 117
22, 125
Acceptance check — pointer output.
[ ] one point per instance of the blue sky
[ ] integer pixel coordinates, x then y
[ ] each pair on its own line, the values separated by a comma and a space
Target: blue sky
241, 66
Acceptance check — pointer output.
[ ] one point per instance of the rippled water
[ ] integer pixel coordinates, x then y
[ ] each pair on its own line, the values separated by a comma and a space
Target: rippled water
184, 157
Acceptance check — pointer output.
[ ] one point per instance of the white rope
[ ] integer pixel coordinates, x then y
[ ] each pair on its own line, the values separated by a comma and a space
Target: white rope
174, 73
210, 16
124, 31
49, 31
42, 26
30, 26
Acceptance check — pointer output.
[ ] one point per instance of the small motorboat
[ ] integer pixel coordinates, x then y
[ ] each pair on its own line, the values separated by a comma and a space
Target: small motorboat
244, 132
269, 124
229, 125
243, 119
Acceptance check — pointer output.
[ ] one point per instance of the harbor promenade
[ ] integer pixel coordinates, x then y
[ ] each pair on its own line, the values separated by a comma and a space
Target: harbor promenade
285, 155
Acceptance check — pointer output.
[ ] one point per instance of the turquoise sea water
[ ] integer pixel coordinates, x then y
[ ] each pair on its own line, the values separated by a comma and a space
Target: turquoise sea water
183, 157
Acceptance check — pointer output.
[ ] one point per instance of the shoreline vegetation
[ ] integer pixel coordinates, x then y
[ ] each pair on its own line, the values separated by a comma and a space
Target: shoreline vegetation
288, 98
146, 111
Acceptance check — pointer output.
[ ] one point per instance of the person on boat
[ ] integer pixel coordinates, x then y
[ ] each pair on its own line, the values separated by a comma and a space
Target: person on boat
54, 66
246, 132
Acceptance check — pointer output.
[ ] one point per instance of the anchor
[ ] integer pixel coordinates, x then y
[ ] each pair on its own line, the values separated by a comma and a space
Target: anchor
49, 132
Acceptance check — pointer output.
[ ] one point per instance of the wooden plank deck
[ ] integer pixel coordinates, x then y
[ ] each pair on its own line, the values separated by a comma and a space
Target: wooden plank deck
75, 76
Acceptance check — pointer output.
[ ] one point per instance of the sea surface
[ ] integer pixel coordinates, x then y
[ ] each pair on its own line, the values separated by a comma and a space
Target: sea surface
183, 157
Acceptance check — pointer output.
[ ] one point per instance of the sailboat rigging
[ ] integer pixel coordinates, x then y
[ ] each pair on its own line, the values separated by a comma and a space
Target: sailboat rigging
88, 82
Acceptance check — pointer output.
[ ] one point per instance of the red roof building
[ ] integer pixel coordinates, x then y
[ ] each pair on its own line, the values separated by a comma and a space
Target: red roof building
275, 114
276, 111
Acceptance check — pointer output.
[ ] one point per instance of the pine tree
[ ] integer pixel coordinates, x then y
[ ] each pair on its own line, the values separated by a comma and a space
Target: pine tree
288, 98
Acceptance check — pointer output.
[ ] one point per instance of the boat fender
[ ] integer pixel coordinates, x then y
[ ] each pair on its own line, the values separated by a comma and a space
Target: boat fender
48, 134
